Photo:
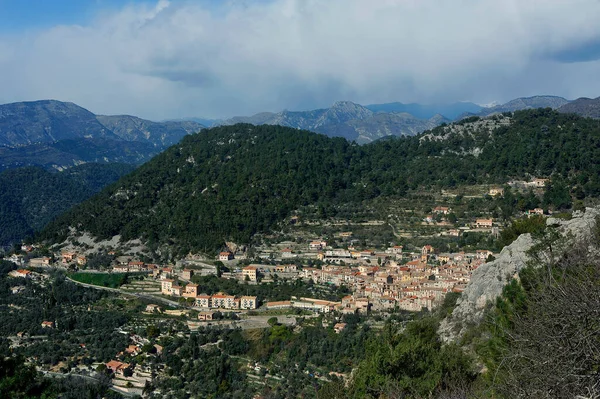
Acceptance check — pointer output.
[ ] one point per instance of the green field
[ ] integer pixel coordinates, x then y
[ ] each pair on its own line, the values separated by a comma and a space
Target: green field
110, 280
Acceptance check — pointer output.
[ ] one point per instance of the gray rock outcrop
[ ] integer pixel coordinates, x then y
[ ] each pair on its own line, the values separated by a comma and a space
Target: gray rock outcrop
490, 278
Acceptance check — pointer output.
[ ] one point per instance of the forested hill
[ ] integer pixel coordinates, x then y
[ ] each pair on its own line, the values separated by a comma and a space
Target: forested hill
233, 181
31, 197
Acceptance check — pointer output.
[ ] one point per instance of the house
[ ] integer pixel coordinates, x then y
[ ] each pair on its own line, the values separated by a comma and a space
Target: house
315, 305
23, 273
396, 249
250, 273
443, 210
444, 258
248, 302
291, 268
221, 300
426, 250
286, 269
158, 348
339, 327
165, 286
47, 324
67, 257
81, 260
187, 274
316, 245
116, 366
165, 273
176, 290
225, 256
204, 316
135, 266
191, 290
484, 223
496, 192
132, 350
454, 233
203, 301
536, 211
366, 253
287, 253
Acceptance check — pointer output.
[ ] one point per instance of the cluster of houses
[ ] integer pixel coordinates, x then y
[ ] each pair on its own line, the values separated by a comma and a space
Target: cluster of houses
410, 286
118, 367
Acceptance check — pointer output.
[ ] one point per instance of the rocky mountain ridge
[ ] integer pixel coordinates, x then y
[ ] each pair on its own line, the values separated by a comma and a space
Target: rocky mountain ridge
365, 124
519, 104
59, 135
586, 107
160, 134
346, 119
48, 121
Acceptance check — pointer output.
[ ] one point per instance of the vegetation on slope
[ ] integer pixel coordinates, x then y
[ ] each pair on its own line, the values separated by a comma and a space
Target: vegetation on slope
31, 197
543, 337
234, 181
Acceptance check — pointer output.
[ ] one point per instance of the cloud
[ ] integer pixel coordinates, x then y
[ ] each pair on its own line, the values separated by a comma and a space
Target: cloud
239, 57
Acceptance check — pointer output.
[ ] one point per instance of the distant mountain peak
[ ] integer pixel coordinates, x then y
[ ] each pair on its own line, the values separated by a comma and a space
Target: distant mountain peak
587, 107
521, 103
490, 105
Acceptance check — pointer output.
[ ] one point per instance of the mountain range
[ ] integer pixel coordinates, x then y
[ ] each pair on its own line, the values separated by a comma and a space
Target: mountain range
365, 124
55, 134
346, 119
59, 135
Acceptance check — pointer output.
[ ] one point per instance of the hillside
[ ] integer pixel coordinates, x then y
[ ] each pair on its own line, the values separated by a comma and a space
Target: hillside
65, 154
586, 107
58, 135
31, 197
234, 181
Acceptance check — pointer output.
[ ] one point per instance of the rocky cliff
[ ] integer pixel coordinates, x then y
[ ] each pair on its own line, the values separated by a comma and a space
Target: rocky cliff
489, 279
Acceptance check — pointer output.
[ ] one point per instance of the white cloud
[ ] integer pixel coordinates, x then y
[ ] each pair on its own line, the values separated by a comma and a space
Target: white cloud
192, 59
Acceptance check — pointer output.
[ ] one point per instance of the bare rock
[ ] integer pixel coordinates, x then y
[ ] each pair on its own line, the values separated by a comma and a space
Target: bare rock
490, 278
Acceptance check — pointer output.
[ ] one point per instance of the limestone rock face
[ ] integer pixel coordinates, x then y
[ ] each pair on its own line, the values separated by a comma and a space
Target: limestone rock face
489, 279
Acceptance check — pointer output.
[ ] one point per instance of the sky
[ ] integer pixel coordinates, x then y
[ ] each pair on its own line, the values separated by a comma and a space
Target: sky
161, 59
